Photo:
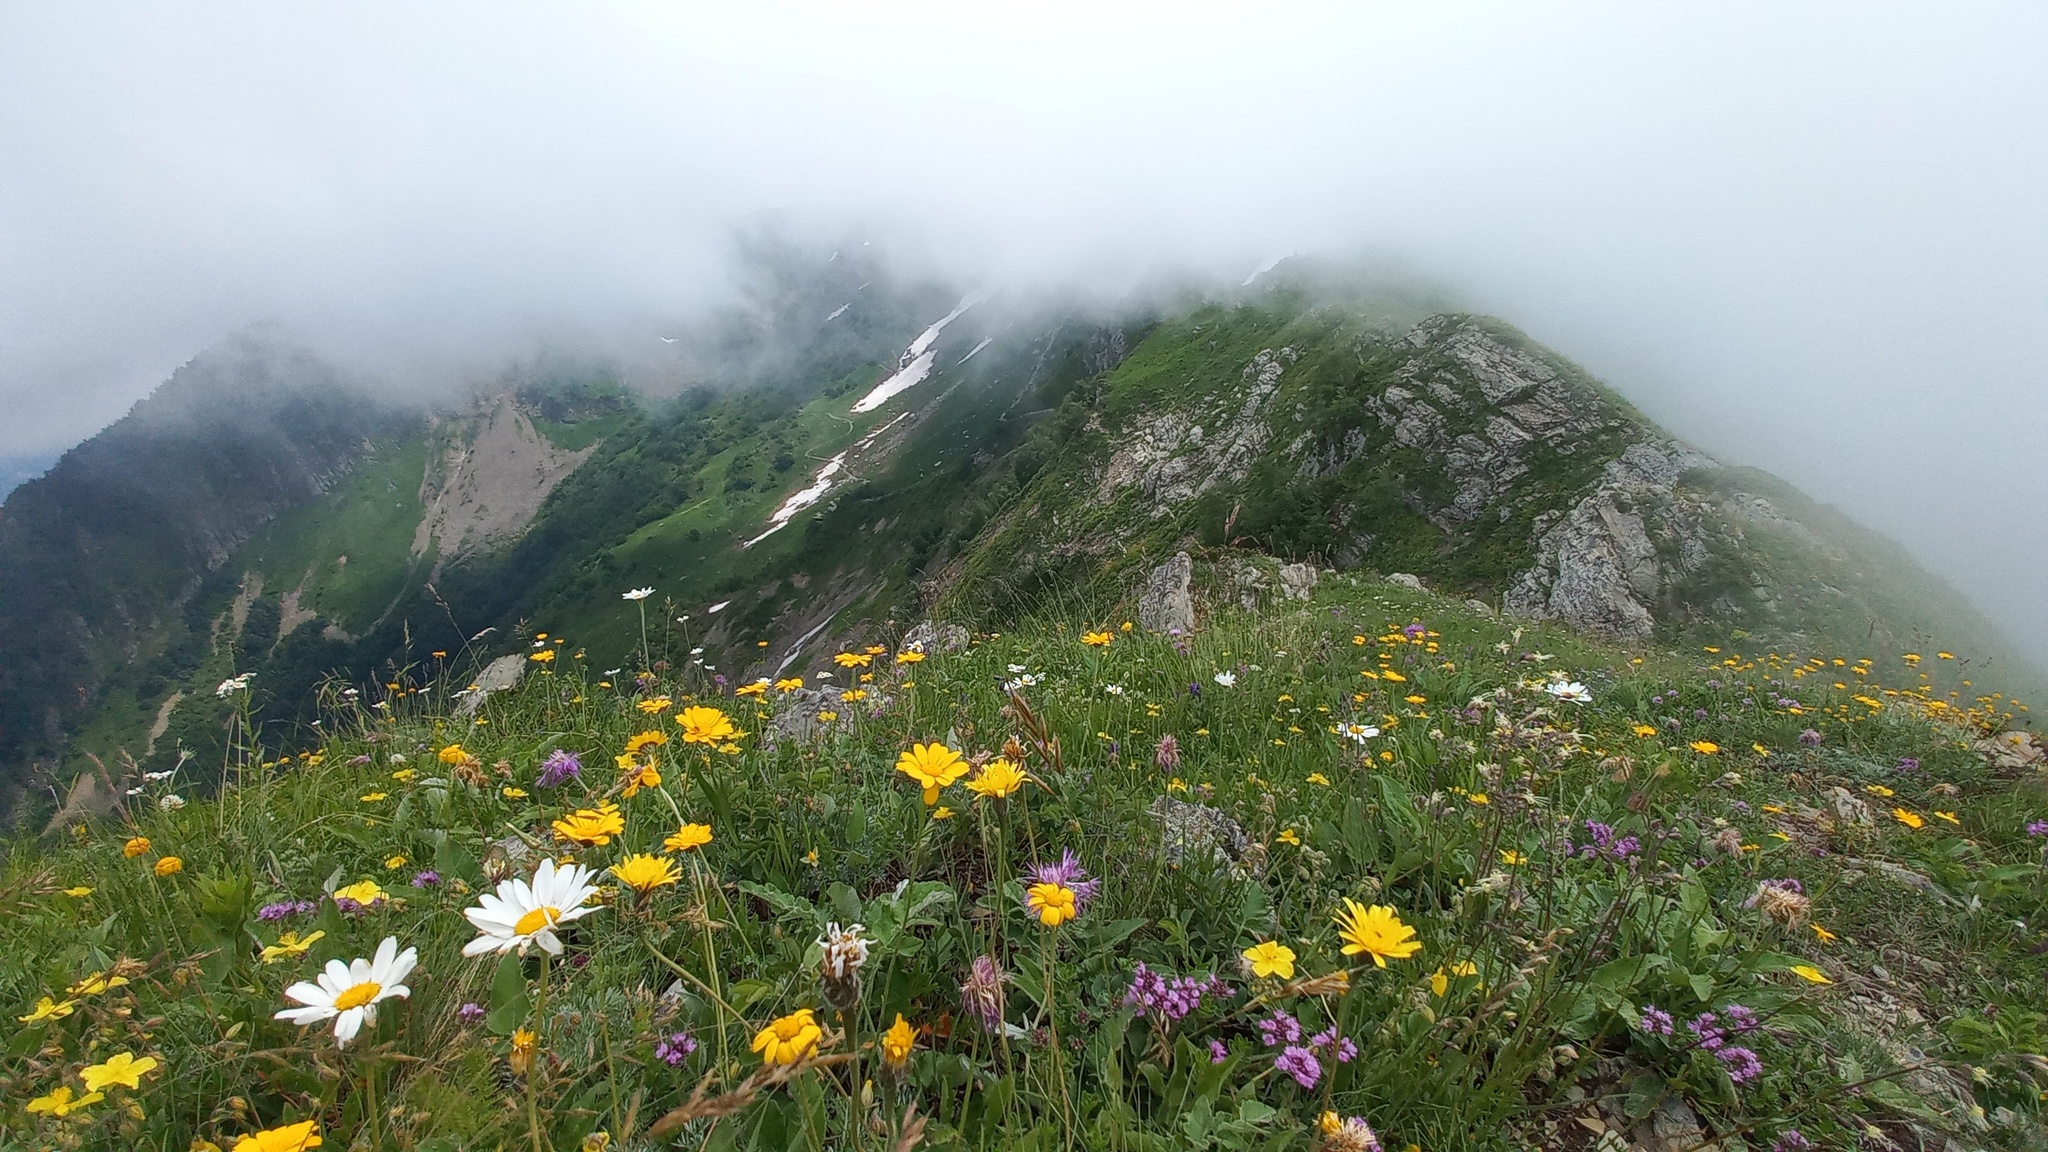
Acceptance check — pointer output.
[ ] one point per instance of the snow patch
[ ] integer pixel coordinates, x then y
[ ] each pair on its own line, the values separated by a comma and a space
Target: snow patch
837, 311
1262, 269
718, 607
985, 342
916, 362
815, 491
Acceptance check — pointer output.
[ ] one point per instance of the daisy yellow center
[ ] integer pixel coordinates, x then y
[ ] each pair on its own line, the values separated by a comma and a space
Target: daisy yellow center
536, 920
357, 996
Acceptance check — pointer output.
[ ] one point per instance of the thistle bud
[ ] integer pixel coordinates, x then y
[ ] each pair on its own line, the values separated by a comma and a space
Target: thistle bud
846, 952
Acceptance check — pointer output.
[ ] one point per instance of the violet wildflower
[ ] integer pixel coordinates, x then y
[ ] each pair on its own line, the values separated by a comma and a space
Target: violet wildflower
2038, 828
1169, 1001
1809, 738
1707, 1027
1741, 1064
1343, 1049
285, 909
1655, 1021
675, 1048
1414, 631
426, 879
470, 1013
1907, 764
1791, 1140
1279, 1028
560, 766
1217, 1052
1301, 1064
1068, 873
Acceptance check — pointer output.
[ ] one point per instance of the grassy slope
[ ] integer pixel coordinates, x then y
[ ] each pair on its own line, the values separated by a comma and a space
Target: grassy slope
1564, 950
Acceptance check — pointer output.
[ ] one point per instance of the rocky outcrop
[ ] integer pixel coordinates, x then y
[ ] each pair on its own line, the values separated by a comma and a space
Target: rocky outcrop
499, 675
1166, 604
1597, 565
930, 638
1173, 457
486, 490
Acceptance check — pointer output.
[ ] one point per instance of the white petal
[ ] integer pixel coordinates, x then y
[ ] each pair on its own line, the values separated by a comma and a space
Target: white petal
305, 1016
548, 942
401, 967
347, 1025
483, 944
387, 950
335, 977
395, 991
308, 993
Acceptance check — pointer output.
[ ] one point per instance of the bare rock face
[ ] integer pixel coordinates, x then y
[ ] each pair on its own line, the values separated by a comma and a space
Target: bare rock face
1197, 831
485, 491
1406, 580
1166, 605
1597, 567
1174, 457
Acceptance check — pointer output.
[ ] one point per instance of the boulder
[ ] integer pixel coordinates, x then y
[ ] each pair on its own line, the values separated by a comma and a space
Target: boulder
1297, 581
501, 674
1406, 580
930, 638
1166, 605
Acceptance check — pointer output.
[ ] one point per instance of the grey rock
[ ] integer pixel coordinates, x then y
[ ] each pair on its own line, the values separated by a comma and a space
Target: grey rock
1297, 581
1671, 1127
1166, 604
1406, 580
1850, 809
931, 638
1197, 831
1480, 606
498, 676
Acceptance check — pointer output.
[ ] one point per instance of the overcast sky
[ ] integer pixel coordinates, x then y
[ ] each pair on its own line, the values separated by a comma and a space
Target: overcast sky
1813, 238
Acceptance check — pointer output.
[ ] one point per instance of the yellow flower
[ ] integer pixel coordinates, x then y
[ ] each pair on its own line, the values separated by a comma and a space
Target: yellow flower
789, 684
453, 754
942, 813
1319, 778
853, 659
654, 704
756, 688
1390, 674
1810, 974
544, 656
1705, 747
644, 873
48, 1009
1289, 836
136, 846
1512, 858
373, 797
1948, 816
1645, 731
169, 866
1822, 934
645, 740
1376, 931
1096, 639
289, 1138
789, 1039
511, 793
1053, 904
394, 862
363, 892
289, 945
639, 776
1879, 790
687, 837
121, 1069
524, 1041
997, 779
703, 725
591, 826
853, 694
58, 1102
909, 656
79, 892
1270, 958
1479, 798
898, 1041
1909, 818
95, 984
933, 766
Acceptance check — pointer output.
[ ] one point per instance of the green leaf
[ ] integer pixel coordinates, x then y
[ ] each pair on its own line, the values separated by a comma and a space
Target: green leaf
510, 1007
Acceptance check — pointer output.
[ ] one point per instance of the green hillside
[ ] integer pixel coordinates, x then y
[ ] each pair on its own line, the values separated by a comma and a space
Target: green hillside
1617, 895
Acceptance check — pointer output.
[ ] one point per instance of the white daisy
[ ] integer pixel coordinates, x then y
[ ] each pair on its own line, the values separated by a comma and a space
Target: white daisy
1360, 733
522, 914
348, 994
637, 594
1226, 679
1570, 690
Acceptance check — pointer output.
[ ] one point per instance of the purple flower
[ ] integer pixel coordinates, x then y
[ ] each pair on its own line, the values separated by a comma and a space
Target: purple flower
426, 879
1907, 764
1301, 1064
1414, 631
1170, 1001
1809, 738
1217, 1052
2038, 828
1655, 1020
675, 1048
1707, 1027
1194, 689
1343, 1049
285, 909
1068, 873
1742, 1064
982, 993
1606, 844
470, 1013
1791, 1140
558, 767
1167, 755
1278, 1029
